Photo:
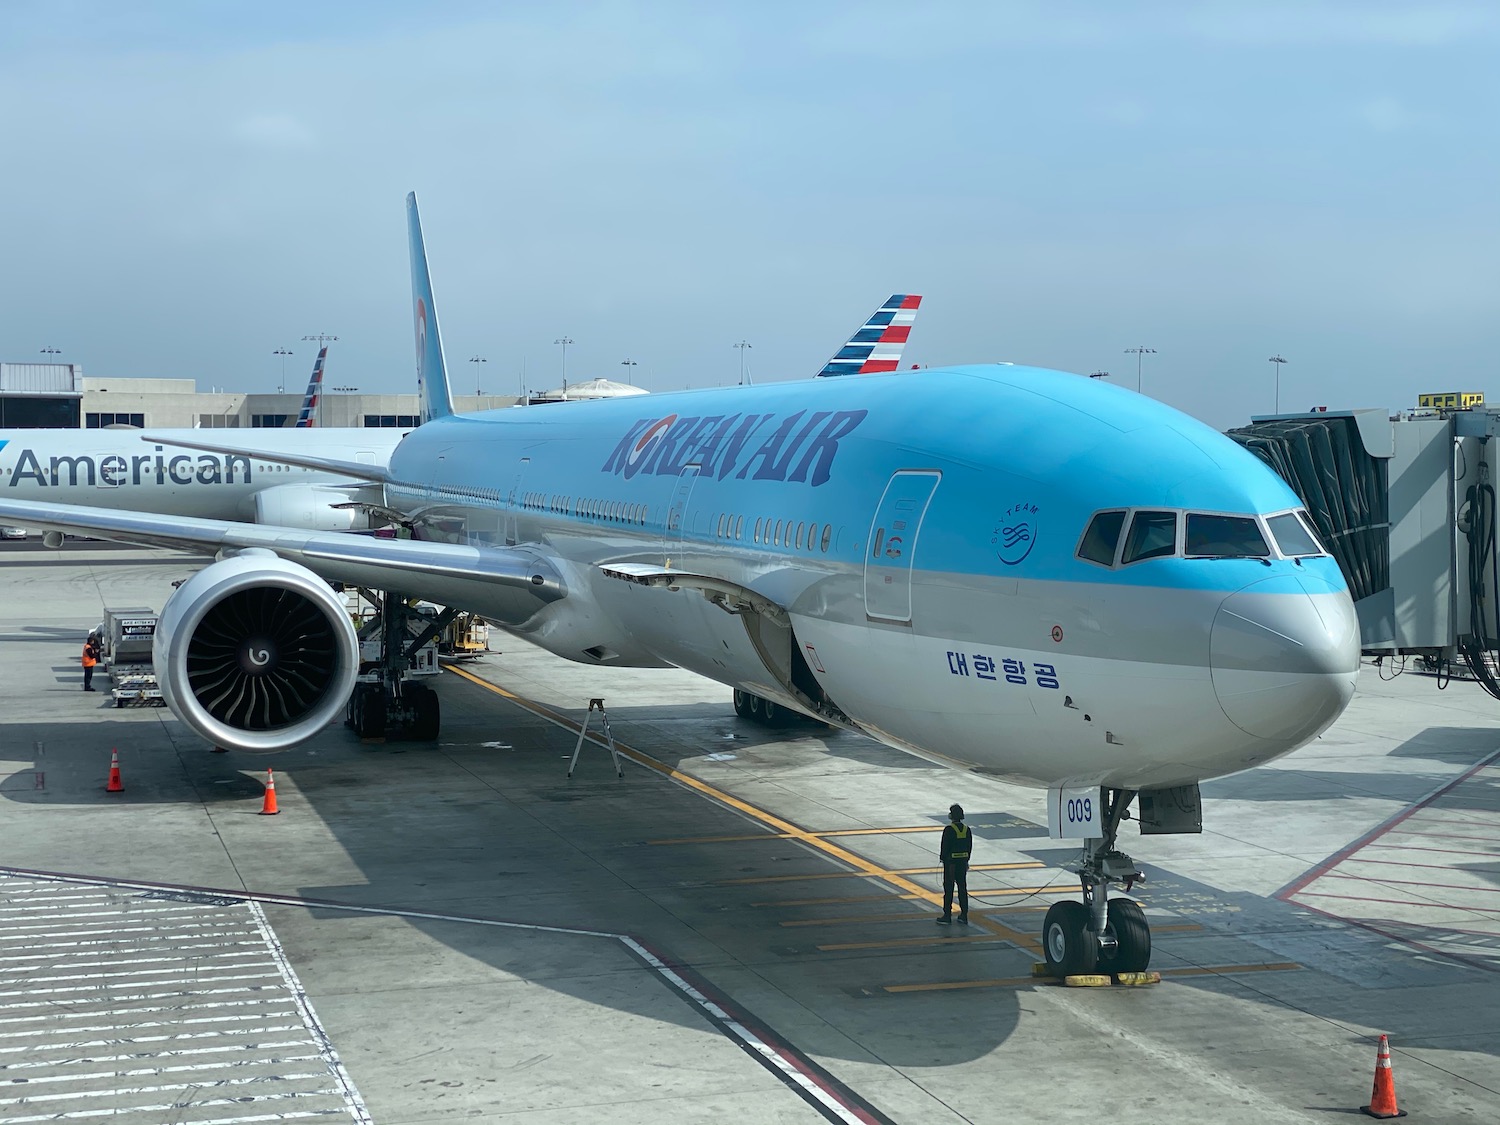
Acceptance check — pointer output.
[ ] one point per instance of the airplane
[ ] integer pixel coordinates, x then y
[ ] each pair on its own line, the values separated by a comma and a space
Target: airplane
877, 347
307, 417
1006, 569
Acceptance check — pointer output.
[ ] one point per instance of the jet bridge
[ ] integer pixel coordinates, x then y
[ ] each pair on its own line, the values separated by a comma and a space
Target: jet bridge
1406, 504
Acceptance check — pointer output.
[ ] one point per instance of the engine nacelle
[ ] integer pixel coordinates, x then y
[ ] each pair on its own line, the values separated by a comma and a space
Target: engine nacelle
255, 653
308, 507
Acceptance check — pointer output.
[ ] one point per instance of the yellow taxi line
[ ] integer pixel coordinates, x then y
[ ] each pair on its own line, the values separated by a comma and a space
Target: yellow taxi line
788, 836
1012, 982
903, 943
769, 819
1027, 865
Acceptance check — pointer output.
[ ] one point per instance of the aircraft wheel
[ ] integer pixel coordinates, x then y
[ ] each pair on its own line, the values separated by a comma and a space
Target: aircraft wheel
427, 715
753, 704
1132, 936
1069, 946
372, 715
772, 714
741, 703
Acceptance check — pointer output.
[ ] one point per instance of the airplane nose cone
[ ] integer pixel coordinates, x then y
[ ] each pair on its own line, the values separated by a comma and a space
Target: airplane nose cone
1284, 654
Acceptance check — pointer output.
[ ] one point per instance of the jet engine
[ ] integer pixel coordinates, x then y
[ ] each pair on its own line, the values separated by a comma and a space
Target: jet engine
309, 507
255, 653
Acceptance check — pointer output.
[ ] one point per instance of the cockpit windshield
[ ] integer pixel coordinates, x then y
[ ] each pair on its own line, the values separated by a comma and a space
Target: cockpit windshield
1292, 536
1235, 537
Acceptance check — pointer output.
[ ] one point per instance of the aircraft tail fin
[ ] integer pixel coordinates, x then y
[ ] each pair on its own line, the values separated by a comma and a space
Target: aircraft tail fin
432, 376
878, 345
309, 415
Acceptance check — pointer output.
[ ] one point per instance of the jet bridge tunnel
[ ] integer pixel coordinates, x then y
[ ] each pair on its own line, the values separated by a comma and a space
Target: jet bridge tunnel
1406, 504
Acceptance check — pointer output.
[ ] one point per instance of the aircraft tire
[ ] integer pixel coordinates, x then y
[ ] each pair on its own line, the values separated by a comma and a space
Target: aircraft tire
753, 704
372, 715
1069, 947
427, 714
741, 703
1132, 937
772, 714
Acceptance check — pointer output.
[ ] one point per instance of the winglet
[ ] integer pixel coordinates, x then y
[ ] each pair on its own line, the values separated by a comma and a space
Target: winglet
878, 345
309, 416
432, 375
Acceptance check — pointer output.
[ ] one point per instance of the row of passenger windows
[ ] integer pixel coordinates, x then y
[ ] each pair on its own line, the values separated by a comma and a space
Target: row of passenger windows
797, 534
618, 510
1202, 535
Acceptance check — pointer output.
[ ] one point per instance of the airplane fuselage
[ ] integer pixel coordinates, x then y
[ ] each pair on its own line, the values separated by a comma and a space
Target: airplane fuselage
921, 533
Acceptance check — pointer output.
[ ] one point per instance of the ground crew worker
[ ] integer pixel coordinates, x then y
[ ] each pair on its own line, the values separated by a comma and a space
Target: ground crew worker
954, 851
90, 658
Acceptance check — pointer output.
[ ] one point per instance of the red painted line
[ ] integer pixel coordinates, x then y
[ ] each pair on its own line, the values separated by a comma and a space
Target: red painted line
1382, 829
1443, 851
1444, 835
1413, 883
1431, 866
1472, 962
1395, 902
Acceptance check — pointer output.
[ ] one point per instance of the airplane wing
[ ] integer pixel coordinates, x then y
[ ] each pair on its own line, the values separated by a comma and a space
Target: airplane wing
359, 470
878, 345
505, 584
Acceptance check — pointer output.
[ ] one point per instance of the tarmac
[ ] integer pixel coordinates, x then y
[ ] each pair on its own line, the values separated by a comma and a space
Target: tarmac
739, 928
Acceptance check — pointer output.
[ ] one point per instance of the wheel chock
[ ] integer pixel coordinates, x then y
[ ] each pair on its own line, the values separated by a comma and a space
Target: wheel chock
1039, 969
1088, 980
1136, 980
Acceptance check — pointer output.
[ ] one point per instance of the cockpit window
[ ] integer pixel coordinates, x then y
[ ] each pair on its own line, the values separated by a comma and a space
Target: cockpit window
1224, 537
1292, 536
1151, 535
1101, 537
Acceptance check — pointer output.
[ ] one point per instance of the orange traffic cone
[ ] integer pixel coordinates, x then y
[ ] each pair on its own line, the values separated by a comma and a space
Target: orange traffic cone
115, 785
268, 806
1383, 1096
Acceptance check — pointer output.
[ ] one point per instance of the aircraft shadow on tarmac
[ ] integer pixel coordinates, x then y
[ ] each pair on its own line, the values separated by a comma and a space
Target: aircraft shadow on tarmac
486, 824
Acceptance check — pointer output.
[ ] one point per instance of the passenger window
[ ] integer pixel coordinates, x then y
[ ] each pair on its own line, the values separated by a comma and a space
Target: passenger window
776, 539
801, 533
739, 526
757, 529
1151, 535
827, 535
1292, 536
1101, 537
1224, 537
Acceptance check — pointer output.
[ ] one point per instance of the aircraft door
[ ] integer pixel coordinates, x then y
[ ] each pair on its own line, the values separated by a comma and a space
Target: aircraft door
675, 527
892, 544
513, 503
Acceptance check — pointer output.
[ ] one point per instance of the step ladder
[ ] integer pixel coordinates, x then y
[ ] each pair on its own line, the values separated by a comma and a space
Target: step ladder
609, 737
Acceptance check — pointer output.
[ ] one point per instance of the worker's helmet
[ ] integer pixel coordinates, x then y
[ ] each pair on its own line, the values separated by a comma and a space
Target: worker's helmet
956, 812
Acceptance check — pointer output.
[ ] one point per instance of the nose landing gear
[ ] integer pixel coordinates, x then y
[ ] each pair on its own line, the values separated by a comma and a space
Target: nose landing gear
1100, 934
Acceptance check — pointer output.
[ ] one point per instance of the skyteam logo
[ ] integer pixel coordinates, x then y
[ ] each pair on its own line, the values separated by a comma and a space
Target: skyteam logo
1015, 535
421, 341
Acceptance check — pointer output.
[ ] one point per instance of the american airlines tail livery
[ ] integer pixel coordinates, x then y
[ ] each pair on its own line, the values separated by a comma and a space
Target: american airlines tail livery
1003, 568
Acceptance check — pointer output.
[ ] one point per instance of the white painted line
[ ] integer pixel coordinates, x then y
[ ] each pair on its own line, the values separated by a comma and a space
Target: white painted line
133, 943
145, 972
173, 1107
108, 962
26, 1103
142, 1072
104, 983
14, 933
116, 1042
121, 999
92, 1059
352, 1100
145, 1011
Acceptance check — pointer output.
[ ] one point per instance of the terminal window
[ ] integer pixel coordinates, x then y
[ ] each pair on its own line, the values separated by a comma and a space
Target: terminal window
94, 421
391, 421
268, 421
218, 421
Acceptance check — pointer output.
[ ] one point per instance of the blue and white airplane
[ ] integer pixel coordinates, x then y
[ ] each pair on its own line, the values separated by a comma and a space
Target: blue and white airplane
1006, 569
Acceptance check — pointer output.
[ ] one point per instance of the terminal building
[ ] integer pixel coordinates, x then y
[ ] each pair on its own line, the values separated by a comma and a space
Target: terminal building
60, 396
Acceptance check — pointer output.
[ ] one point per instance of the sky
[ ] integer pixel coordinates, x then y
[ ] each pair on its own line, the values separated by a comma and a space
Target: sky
189, 187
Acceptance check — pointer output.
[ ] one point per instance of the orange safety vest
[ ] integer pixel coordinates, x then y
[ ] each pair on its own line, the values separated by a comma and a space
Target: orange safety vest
88, 656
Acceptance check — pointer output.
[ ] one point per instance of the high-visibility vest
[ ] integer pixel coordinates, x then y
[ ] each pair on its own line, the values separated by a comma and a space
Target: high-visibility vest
88, 656
962, 832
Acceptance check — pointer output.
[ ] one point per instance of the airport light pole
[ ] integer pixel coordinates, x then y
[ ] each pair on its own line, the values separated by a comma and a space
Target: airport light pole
283, 353
1278, 361
477, 360
1139, 353
743, 346
1098, 374
49, 350
564, 341
632, 364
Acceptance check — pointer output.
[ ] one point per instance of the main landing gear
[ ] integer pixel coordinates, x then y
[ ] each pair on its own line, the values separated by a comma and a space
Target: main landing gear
387, 695
1100, 934
762, 711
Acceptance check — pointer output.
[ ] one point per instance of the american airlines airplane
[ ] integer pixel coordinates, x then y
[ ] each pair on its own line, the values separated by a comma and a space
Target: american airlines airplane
1007, 569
